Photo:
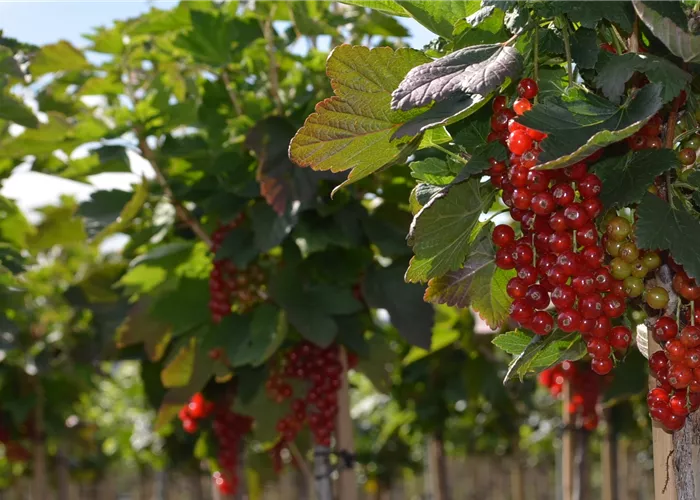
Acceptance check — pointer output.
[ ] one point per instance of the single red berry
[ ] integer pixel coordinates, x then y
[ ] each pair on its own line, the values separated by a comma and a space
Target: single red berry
504, 258
499, 103
679, 405
665, 329
679, 376
657, 397
658, 362
527, 274
503, 235
542, 203
521, 106
527, 88
577, 171
537, 296
189, 425
587, 235
675, 351
593, 207
592, 256
563, 297
516, 288
560, 242
542, 323
591, 305
568, 320
603, 279
620, 338
583, 284
564, 194
576, 216
590, 186
613, 306
602, 327
521, 310
602, 366
537, 181
690, 336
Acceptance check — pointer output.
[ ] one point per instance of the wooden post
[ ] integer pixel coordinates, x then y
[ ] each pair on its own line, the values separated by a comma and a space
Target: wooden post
347, 482
39, 480
517, 479
439, 486
608, 459
581, 466
567, 446
63, 473
194, 484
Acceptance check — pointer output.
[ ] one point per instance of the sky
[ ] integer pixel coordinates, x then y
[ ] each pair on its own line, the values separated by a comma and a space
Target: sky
47, 21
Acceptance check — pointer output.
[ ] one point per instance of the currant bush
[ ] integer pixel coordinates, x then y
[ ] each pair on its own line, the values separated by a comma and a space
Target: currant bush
585, 389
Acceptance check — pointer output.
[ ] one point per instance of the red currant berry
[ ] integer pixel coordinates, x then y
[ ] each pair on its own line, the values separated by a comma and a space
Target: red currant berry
592, 256
521, 105
503, 235
568, 320
665, 329
598, 348
504, 258
620, 338
542, 204
613, 306
542, 323
521, 310
560, 242
679, 376
583, 284
593, 207
563, 297
499, 103
590, 186
690, 336
576, 216
591, 305
601, 328
602, 366
516, 288
564, 194
576, 172
527, 88
538, 296
658, 362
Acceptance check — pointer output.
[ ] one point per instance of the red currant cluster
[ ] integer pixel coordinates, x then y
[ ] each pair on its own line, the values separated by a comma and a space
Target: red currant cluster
319, 407
197, 409
649, 137
676, 366
585, 390
229, 285
230, 429
558, 257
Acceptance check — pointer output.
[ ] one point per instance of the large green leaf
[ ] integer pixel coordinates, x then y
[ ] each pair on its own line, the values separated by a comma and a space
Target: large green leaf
185, 308
140, 328
534, 354
180, 367
442, 232
614, 71
440, 17
659, 226
590, 14
579, 123
385, 288
60, 56
681, 43
479, 69
353, 130
387, 6
14, 110
59, 226
8, 64
479, 283
267, 331
214, 38
626, 178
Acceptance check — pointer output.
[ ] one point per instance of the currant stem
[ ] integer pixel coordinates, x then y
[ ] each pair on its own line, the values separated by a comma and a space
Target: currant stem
692, 312
452, 154
567, 50
536, 56
534, 250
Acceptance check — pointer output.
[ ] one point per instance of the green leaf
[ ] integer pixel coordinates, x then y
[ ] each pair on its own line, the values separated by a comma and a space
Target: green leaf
479, 283
443, 113
659, 226
481, 159
442, 337
385, 288
139, 327
616, 70
626, 178
238, 246
102, 209
180, 367
387, 6
270, 229
442, 231
8, 64
580, 123
479, 69
61, 56
433, 171
268, 328
212, 37
14, 110
584, 48
539, 352
676, 38
59, 226
128, 213
353, 129
314, 324
591, 14
186, 307
379, 363
440, 17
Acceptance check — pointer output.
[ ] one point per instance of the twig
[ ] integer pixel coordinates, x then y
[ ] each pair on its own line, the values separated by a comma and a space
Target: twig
536, 56
451, 154
567, 50
231, 94
183, 214
670, 137
269, 33
303, 465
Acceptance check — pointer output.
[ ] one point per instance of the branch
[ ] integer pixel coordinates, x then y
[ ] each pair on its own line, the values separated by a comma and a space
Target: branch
303, 465
231, 94
269, 33
567, 50
183, 214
